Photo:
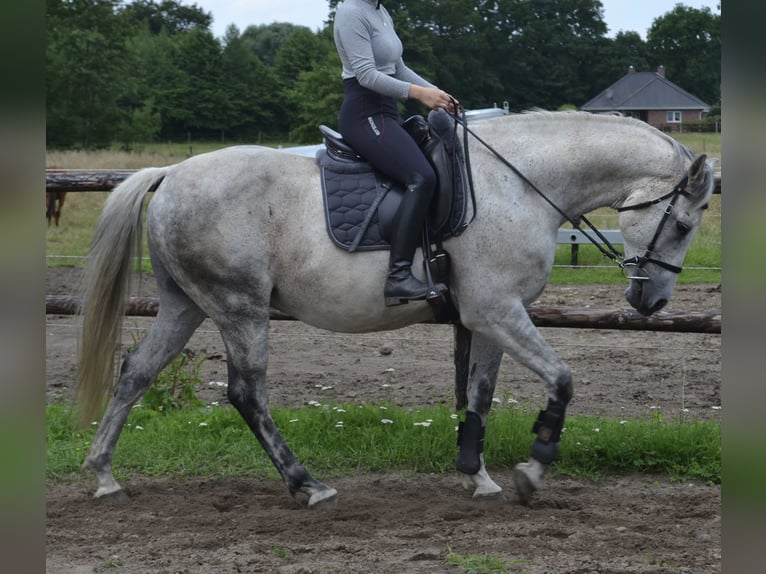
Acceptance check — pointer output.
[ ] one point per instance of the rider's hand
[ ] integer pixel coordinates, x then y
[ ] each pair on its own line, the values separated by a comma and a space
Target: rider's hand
434, 98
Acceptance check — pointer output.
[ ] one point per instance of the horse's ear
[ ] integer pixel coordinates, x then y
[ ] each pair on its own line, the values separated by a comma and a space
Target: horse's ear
697, 170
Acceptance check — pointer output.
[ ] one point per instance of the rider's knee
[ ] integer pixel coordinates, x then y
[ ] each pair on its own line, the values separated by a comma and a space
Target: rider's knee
424, 180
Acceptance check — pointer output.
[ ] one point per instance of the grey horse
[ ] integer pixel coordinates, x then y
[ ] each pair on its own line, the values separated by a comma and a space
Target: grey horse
235, 232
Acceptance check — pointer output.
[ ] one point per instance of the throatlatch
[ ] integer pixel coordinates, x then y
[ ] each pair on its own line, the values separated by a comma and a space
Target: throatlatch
470, 439
548, 427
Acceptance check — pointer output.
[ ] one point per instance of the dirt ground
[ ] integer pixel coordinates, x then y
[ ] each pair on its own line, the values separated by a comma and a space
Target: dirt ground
395, 523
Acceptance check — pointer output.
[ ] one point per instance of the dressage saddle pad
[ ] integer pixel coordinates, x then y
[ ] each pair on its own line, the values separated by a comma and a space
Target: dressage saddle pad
360, 202
352, 192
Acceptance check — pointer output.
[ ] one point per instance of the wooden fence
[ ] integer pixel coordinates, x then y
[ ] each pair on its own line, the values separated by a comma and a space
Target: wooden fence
105, 180
569, 317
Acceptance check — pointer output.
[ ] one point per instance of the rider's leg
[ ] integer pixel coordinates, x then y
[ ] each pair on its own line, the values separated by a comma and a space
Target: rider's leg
372, 126
401, 286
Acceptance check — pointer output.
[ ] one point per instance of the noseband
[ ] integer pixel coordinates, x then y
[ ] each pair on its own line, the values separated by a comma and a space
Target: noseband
606, 248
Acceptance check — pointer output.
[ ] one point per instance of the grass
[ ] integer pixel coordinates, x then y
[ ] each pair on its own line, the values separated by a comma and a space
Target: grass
348, 439
707, 143
484, 564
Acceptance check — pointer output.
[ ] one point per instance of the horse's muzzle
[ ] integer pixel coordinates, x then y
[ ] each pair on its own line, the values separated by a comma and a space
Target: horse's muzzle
640, 297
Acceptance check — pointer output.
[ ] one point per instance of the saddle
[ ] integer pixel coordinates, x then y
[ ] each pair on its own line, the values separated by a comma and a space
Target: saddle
360, 202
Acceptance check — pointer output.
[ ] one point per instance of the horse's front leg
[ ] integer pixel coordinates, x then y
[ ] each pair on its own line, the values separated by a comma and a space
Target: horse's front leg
483, 362
516, 335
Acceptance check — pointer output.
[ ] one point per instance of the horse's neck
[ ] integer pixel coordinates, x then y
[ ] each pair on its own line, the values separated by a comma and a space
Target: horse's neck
583, 163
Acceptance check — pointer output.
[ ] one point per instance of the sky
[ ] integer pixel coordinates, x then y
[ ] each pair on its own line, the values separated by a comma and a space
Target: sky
618, 14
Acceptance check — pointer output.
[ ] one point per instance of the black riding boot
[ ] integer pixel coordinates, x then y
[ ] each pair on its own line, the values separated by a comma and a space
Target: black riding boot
401, 286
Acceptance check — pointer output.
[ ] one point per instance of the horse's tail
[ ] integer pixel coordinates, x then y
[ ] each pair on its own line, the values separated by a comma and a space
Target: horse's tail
105, 282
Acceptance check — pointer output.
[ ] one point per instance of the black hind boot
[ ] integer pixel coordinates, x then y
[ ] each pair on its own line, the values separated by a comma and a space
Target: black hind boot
401, 286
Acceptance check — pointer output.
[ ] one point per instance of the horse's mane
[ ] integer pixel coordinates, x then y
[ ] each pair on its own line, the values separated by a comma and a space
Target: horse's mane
681, 149
683, 153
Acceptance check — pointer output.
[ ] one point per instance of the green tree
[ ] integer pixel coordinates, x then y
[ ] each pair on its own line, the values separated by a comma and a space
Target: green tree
159, 79
251, 90
614, 58
168, 15
140, 125
299, 53
170, 92
628, 49
266, 39
132, 71
553, 45
687, 41
153, 77
198, 105
86, 64
316, 96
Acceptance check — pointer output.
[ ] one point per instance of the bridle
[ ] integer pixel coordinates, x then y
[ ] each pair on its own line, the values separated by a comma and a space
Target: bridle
606, 248
678, 190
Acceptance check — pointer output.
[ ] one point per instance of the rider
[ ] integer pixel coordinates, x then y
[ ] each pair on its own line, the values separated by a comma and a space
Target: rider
374, 77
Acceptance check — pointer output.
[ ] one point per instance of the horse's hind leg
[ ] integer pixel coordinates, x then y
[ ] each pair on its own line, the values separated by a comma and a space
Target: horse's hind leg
247, 357
176, 321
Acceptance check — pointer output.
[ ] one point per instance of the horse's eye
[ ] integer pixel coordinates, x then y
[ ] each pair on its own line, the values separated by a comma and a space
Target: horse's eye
682, 228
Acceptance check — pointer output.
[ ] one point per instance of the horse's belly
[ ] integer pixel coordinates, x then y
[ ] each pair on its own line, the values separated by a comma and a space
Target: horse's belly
346, 300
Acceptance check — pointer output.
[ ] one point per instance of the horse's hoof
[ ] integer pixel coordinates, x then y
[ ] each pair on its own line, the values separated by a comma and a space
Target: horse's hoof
114, 497
488, 495
525, 488
324, 500
484, 488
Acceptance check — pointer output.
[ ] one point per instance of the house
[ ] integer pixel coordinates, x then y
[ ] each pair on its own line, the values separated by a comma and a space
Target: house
651, 97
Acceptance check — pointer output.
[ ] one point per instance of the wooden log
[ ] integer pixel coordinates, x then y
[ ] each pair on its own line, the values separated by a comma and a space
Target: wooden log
69, 305
569, 317
105, 180
626, 320
71, 180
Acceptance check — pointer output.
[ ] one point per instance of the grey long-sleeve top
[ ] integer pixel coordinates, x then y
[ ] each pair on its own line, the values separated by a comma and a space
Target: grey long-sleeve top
370, 49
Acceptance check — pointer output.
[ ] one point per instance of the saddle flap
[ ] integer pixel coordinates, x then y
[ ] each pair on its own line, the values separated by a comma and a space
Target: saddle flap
450, 209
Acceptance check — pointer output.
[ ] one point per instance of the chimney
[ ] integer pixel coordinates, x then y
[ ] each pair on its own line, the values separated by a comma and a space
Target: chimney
631, 69
661, 71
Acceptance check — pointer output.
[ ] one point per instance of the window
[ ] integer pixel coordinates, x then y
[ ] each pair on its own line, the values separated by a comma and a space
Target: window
673, 117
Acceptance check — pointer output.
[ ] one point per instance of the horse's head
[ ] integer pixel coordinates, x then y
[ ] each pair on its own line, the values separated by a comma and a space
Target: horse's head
657, 231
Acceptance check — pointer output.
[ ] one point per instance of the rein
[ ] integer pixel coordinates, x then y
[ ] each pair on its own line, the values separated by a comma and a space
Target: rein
605, 247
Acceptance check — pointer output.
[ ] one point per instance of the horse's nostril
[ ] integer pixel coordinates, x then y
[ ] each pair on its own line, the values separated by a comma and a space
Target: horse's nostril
659, 305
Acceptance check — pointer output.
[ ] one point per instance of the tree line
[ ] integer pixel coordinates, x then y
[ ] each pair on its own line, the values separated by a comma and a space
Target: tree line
141, 71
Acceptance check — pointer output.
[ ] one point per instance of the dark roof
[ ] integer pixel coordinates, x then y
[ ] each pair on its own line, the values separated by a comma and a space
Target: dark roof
644, 91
